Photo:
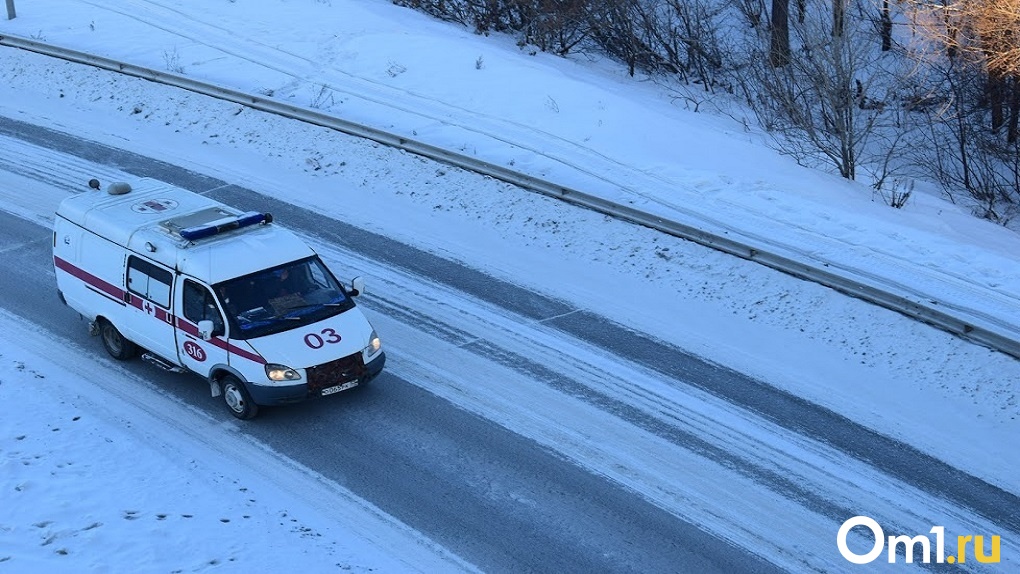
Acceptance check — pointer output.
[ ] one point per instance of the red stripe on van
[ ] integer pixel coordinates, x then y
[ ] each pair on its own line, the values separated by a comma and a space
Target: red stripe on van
192, 329
108, 288
159, 313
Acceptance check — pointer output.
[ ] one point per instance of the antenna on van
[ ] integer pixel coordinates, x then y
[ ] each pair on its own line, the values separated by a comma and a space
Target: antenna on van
94, 184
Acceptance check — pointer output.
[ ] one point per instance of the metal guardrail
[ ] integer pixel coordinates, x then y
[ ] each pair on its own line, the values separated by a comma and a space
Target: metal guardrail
1005, 339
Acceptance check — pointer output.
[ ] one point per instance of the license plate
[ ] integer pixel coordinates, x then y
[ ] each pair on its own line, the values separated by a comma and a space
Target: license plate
338, 388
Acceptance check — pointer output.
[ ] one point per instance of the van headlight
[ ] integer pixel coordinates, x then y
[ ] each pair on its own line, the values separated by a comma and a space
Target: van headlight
281, 373
373, 348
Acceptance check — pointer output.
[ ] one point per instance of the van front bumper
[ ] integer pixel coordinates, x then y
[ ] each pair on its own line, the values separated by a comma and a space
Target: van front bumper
327, 377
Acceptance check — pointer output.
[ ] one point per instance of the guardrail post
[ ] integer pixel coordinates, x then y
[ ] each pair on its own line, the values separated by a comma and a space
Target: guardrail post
10, 9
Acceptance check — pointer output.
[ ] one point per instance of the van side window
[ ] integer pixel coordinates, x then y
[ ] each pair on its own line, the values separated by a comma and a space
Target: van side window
199, 305
149, 281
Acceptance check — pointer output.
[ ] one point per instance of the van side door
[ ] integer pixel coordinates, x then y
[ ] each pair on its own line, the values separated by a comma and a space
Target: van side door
148, 320
196, 303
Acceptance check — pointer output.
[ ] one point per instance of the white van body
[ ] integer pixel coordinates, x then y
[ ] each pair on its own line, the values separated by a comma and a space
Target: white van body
200, 286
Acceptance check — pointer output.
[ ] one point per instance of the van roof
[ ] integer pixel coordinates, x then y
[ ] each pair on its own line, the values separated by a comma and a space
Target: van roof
149, 219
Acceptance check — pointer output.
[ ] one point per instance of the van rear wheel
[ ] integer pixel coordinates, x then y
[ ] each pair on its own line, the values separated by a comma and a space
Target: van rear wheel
237, 398
116, 345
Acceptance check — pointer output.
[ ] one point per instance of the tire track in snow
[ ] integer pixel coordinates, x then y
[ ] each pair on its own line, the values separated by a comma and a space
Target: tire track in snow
800, 470
308, 70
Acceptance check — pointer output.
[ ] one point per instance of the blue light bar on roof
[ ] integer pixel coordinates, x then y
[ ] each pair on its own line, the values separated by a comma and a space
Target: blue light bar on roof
197, 232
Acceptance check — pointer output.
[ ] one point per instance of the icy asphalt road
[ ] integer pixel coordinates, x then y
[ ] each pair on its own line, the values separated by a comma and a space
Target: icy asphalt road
535, 486
496, 498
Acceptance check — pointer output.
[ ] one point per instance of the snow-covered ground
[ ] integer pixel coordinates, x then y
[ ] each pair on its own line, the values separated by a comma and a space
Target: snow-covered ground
582, 123
100, 473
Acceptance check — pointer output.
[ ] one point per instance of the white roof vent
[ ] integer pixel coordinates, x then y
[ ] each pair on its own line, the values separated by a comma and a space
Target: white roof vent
116, 188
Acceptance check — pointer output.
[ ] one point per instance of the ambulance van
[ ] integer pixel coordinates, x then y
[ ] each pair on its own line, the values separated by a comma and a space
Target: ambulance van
194, 285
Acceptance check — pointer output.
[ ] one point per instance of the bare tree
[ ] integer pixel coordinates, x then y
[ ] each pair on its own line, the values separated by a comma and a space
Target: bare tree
886, 18
754, 11
983, 34
824, 105
616, 28
779, 44
685, 37
838, 17
975, 135
997, 25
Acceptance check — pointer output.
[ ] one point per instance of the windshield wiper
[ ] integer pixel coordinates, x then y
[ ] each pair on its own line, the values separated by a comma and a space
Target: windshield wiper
311, 305
302, 307
282, 316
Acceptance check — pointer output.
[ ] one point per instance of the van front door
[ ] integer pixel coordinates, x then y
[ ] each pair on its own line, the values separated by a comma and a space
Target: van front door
196, 303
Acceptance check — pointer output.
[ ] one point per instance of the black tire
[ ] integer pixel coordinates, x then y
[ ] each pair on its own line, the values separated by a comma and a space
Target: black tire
237, 398
115, 344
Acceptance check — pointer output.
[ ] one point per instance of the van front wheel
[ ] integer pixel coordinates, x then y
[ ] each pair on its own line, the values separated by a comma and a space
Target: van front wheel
237, 398
115, 343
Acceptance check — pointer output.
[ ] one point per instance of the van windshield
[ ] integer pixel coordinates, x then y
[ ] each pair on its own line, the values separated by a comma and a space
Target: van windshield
281, 298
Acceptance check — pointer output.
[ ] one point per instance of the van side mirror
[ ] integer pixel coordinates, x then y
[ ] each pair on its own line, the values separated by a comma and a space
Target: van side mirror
357, 286
205, 329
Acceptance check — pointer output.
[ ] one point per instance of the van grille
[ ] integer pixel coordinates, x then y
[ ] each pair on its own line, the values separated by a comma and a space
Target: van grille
335, 372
